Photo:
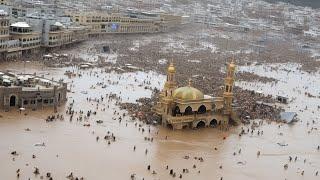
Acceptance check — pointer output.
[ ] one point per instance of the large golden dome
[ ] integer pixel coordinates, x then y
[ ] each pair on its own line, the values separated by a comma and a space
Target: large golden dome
188, 93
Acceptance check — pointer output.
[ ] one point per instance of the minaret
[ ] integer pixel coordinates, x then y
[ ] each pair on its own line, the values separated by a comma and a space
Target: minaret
228, 90
166, 98
171, 83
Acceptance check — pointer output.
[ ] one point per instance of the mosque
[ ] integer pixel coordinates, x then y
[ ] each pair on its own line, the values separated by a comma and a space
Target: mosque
188, 107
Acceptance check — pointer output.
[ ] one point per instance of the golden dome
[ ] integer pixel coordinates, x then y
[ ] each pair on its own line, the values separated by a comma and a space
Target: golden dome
171, 68
232, 65
187, 93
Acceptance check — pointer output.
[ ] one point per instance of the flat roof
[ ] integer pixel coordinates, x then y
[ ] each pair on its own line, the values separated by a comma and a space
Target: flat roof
3, 13
288, 117
20, 24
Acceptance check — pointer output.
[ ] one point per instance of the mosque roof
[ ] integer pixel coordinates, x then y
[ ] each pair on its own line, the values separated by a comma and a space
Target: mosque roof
188, 93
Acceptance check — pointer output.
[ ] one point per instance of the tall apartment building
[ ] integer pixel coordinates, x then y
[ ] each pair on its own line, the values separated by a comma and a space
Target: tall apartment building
30, 41
4, 32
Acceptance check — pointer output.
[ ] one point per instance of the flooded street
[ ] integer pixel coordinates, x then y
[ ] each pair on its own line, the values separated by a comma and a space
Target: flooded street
87, 151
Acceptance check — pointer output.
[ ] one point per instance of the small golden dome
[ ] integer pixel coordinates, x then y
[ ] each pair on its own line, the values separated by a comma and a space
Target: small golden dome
232, 65
171, 68
188, 93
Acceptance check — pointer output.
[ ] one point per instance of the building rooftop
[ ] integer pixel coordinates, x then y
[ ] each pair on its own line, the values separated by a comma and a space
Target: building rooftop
20, 24
59, 24
3, 13
28, 82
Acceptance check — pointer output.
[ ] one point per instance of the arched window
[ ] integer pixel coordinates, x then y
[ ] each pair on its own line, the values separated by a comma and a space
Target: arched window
176, 111
213, 123
202, 109
188, 111
201, 124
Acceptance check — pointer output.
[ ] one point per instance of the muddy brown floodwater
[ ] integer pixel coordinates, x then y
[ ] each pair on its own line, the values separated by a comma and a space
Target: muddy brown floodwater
72, 147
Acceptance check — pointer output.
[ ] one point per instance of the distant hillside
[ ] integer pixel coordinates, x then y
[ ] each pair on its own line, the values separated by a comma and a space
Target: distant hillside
309, 3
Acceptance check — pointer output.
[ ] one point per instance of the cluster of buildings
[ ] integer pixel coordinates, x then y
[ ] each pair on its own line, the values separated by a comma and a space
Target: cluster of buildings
188, 107
30, 91
25, 31
256, 15
31, 26
129, 22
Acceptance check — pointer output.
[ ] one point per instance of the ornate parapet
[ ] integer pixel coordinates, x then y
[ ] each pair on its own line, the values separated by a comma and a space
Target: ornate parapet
192, 121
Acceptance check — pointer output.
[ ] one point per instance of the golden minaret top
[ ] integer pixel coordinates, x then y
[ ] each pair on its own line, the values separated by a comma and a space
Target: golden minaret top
171, 68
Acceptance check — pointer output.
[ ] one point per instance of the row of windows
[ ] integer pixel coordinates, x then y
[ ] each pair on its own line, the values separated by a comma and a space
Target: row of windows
116, 20
4, 32
57, 37
228, 88
53, 37
130, 29
14, 45
4, 23
29, 39
53, 43
20, 30
135, 29
56, 40
31, 44
45, 101
3, 44
111, 19
3, 40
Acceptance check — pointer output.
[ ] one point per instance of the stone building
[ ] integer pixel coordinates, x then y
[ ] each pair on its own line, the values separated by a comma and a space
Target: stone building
188, 107
3, 2
30, 91
4, 33
30, 41
105, 23
24, 34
